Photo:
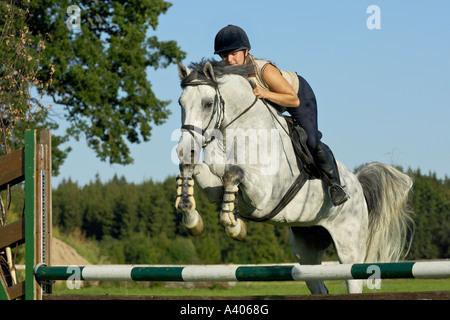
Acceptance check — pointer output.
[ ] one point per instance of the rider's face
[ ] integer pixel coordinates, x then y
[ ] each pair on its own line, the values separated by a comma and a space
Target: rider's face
234, 58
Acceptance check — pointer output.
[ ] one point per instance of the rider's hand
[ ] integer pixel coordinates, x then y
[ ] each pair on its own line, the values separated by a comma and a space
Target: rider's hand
260, 93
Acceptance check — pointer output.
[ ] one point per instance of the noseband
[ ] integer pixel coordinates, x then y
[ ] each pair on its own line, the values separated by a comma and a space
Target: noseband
219, 109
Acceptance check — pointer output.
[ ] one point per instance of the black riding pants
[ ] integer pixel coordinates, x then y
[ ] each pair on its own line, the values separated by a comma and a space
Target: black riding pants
306, 113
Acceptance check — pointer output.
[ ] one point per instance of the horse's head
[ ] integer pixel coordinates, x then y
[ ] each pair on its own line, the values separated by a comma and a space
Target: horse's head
205, 115
201, 110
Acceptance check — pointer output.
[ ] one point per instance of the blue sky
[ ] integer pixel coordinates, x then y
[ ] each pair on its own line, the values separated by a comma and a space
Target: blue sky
383, 94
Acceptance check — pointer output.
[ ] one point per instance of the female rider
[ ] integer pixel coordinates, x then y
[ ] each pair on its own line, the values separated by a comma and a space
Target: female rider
287, 89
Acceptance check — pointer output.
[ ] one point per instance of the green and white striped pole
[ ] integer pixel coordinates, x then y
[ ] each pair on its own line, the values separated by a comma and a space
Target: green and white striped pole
437, 269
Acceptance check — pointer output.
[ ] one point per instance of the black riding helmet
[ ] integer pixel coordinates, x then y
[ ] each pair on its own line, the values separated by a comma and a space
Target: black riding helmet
230, 39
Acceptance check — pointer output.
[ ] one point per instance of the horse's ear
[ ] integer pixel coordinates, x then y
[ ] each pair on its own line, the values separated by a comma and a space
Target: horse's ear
209, 71
183, 71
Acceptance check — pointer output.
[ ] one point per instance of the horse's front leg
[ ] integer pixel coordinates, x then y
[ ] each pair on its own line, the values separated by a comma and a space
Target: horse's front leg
235, 227
185, 201
209, 183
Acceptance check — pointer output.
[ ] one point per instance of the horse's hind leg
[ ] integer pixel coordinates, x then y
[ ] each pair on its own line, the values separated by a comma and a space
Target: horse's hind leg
234, 226
350, 244
351, 251
308, 245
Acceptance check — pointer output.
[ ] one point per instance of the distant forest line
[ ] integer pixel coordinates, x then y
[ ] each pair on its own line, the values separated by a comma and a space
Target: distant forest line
137, 223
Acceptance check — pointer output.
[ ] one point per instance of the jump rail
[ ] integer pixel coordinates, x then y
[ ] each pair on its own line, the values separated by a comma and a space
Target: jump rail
436, 269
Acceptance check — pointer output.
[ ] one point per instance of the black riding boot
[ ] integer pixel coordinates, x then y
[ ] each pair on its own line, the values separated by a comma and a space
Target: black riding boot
325, 160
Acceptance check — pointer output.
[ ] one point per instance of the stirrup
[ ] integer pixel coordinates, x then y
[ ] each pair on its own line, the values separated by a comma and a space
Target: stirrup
338, 194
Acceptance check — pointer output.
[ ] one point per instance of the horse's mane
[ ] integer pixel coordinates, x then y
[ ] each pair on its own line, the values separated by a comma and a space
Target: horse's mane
220, 69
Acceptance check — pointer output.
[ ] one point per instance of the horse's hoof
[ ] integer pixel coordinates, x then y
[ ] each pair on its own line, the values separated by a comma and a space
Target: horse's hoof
237, 232
197, 229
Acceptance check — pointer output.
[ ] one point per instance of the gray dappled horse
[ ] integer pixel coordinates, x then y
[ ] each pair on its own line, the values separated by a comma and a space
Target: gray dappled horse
249, 164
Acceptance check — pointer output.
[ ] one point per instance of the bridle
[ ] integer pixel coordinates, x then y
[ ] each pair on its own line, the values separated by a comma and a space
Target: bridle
219, 110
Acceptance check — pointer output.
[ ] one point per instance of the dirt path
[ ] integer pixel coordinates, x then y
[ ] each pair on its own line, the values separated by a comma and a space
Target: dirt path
65, 255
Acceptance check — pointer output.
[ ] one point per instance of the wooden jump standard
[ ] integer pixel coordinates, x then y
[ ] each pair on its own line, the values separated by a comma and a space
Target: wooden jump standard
33, 165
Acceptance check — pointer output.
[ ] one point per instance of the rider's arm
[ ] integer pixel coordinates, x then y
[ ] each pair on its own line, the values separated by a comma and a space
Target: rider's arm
281, 92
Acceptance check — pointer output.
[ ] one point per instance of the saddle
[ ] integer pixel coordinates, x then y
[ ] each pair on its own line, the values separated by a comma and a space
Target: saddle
304, 157
305, 160
298, 135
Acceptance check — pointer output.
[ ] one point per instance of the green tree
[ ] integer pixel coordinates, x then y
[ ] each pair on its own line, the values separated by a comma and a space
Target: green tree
99, 71
67, 206
138, 224
98, 215
158, 209
124, 200
21, 60
431, 204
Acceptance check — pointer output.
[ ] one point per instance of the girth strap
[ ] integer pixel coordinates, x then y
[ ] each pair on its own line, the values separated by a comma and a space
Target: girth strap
288, 196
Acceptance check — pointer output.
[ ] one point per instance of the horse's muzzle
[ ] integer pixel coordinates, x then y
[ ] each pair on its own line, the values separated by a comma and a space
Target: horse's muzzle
189, 149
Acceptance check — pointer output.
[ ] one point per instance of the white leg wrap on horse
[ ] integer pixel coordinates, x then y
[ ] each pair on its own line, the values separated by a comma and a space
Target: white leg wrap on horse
179, 182
190, 192
227, 216
177, 202
191, 195
232, 219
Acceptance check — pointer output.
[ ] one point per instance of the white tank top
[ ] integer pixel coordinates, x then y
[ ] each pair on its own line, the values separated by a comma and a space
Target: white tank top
290, 76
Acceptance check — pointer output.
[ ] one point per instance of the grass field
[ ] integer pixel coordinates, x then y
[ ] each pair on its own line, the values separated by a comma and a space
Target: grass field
244, 288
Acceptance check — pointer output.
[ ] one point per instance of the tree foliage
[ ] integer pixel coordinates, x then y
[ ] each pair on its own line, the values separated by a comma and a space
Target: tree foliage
98, 72
139, 224
431, 204
21, 58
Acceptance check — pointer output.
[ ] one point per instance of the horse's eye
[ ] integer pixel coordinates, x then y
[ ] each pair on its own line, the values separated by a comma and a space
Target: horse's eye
208, 105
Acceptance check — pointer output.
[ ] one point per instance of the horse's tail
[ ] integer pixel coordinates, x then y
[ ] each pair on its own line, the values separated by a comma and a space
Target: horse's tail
386, 191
